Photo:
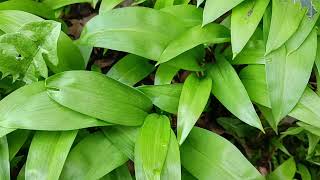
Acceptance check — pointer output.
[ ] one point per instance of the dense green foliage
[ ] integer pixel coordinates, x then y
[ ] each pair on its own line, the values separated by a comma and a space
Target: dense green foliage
216, 90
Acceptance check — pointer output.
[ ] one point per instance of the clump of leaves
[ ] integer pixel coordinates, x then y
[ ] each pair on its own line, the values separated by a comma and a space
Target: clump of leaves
165, 89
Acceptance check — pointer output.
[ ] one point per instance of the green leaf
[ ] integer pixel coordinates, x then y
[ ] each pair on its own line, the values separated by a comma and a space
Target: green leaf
4, 155
304, 29
107, 5
159, 4
130, 70
288, 74
228, 89
210, 34
166, 97
122, 137
30, 6
30, 108
56, 4
285, 20
206, 155
304, 172
152, 147
121, 173
244, 20
92, 158
213, 9
108, 99
136, 30
47, 154
236, 127
194, 97
252, 53
286, 170
165, 73
5, 131
16, 140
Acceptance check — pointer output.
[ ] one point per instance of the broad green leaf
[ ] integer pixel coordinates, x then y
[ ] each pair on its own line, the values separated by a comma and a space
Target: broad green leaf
121, 173
4, 155
152, 146
288, 74
164, 74
312, 129
236, 127
267, 113
252, 53
213, 9
107, 5
92, 158
5, 131
16, 140
194, 97
123, 137
207, 155
304, 172
286, 170
171, 168
47, 154
130, 70
285, 20
137, 30
228, 89
266, 23
210, 34
30, 108
166, 97
304, 29
159, 4
189, 14
185, 2
55, 4
103, 97
313, 141
30, 6
306, 110
244, 20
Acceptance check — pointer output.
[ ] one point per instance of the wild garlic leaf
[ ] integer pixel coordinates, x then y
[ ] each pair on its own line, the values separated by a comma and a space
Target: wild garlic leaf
104, 97
121, 173
285, 20
286, 170
228, 89
213, 9
288, 74
92, 158
166, 97
16, 140
152, 147
107, 5
4, 155
47, 154
207, 155
252, 53
159, 4
31, 108
244, 20
56, 4
165, 74
193, 99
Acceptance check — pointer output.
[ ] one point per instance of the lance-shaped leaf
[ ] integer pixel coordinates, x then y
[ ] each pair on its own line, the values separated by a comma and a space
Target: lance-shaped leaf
122, 137
288, 74
30, 108
5, 131
305, 27
16, 140
103, 97
210, 34
92, 158
107, 5
136, 30
166, 97
159, 4
252, 53
207, 155
4, 155
228, 89
121, 173
171, 168
152, 146
55, 4
285, 20
286, 170
165, 73
47, 154
194, 97
130, 69
244, 20
213, 9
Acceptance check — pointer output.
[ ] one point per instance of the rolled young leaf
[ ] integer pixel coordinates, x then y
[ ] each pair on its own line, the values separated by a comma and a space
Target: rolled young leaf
228, 89
152, 147
100, 96
30, 108
288, 74
92, 158
47, 154
207, 155
194, 97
